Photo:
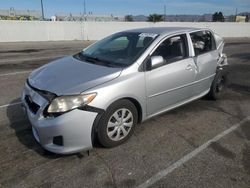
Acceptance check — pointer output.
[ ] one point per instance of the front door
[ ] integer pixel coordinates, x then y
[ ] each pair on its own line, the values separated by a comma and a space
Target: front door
170, 83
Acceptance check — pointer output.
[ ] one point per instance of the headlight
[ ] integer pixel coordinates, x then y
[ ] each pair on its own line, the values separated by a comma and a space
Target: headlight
66, 103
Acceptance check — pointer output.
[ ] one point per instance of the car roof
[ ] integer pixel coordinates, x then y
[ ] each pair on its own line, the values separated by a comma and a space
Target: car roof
163, 30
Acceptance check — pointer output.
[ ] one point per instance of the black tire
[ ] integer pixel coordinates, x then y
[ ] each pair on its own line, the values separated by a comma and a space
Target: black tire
102, 130
218, 87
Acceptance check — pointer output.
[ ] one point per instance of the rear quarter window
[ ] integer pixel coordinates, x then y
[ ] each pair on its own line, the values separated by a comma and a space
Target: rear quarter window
203, 42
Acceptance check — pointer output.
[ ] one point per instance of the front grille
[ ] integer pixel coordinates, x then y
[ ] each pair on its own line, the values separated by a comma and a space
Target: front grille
31, 104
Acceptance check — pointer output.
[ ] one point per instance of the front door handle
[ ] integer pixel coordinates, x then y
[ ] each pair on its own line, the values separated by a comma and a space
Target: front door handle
189, 67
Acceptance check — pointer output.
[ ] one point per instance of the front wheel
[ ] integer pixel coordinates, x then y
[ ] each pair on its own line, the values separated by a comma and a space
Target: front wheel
218, 87
117, 124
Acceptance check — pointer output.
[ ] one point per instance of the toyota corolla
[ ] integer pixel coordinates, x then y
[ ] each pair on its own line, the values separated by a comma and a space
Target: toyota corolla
101, 93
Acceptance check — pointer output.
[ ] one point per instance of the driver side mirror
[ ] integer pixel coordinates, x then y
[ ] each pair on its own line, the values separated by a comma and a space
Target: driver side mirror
156, 61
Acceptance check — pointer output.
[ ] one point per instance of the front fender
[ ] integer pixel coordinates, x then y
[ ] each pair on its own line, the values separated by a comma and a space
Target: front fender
126, 86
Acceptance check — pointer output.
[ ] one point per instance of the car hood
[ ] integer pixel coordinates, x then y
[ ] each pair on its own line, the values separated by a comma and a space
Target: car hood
68, 76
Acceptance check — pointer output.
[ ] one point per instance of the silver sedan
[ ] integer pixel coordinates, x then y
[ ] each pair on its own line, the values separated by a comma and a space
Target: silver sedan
101, 93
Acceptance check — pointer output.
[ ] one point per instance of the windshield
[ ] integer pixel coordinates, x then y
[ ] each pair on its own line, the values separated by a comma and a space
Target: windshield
121, 49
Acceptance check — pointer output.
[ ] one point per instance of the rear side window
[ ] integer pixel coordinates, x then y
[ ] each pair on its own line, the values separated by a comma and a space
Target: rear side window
203, 42
173, 49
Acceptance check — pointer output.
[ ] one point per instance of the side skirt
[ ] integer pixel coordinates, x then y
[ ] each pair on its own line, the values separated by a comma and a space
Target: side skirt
178, 104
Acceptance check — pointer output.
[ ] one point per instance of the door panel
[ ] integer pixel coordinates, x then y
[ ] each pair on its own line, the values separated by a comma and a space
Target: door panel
206, 57
206, 68
169, 84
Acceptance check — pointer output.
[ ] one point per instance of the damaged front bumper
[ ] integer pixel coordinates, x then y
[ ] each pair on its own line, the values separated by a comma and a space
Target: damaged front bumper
65, 134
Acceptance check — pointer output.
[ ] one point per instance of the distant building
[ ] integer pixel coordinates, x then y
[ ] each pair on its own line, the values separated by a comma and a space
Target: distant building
240, 19
88, 17
53, 18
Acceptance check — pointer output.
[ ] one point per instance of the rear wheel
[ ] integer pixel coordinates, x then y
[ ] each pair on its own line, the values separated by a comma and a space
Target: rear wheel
117, 124
218, 87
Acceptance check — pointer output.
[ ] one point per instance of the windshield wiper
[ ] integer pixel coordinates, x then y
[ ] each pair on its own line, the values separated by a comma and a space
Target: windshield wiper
93, 59
96, 60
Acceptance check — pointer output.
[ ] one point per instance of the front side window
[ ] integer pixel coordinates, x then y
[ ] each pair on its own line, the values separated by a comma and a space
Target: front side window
203, 42
172, 49
121, 49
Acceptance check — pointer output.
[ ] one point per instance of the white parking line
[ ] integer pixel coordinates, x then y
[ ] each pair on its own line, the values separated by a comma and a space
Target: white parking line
189, 156
11, 104
14, 73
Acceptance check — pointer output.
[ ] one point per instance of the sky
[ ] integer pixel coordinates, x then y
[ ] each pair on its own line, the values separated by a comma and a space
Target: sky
134, 7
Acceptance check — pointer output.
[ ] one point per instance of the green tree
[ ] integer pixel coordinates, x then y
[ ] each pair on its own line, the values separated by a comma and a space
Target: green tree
221, 17
218, 17
155, 18
215, 17
247, 18
129, 18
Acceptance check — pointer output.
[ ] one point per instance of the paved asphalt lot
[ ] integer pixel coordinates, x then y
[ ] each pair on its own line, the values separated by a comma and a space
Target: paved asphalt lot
192, 146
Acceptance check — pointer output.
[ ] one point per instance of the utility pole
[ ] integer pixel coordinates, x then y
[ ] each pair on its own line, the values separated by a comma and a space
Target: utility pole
164, 13
84, 10
84, 7
42, 9
236, 12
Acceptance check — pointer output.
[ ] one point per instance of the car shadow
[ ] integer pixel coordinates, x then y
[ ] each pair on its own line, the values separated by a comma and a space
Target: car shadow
19, 122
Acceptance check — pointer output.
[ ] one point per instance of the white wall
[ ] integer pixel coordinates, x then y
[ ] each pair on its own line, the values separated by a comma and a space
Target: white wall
15, 31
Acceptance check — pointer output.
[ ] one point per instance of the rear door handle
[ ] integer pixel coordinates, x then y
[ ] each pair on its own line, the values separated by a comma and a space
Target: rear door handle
189, 67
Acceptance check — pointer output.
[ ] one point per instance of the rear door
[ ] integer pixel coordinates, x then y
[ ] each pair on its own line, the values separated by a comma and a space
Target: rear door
170, 83
205, 58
